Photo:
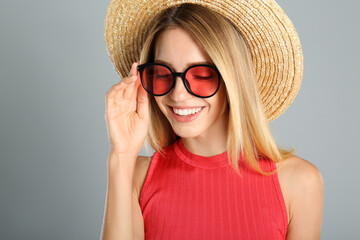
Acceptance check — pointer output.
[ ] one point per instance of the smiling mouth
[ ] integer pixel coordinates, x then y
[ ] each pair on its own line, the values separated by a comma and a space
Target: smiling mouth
186, 111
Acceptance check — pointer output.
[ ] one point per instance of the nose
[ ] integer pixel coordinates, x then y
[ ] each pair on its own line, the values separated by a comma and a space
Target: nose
179, 92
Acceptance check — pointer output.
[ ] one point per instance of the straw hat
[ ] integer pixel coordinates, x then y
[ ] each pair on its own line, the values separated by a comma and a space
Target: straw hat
274, 44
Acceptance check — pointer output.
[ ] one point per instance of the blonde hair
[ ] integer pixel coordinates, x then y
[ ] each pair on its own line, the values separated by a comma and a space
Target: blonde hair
248, 129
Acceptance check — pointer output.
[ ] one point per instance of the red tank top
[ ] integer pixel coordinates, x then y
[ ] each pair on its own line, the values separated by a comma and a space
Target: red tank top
187, 196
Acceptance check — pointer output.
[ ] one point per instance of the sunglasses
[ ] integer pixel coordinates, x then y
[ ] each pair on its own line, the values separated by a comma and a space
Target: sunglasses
200, 80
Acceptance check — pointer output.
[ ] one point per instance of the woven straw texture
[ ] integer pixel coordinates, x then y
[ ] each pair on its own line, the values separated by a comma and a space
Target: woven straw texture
273, 41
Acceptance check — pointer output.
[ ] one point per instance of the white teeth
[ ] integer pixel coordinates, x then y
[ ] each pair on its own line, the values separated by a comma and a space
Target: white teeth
184, 112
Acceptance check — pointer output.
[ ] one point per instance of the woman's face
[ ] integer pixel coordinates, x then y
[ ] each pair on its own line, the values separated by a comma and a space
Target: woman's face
178, 50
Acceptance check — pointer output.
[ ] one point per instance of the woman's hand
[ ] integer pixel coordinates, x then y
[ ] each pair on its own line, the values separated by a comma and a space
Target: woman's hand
127, 114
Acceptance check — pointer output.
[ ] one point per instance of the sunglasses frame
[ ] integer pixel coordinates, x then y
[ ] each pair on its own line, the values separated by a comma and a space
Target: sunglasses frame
180, 74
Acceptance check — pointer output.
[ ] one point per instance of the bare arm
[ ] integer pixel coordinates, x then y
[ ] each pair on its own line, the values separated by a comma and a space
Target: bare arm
306, 203
118, 210
127, 115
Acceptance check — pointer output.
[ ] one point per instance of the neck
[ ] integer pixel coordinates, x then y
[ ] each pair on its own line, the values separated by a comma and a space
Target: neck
211, 143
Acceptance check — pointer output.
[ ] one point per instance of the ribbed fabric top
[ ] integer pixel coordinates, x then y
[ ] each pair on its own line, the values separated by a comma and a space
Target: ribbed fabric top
187, 196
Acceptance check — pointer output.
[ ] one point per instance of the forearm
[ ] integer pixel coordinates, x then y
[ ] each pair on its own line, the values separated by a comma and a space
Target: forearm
118, 215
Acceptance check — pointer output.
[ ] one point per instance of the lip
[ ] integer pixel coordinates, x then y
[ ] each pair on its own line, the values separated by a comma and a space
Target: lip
186, 118
185, 107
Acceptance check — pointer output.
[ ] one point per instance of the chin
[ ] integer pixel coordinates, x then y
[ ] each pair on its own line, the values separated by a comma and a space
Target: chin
185, 133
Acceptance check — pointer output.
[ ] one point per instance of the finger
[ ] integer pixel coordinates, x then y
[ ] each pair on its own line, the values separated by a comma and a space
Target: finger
130, 90
143, 102
118, 88
137, 85
133, 69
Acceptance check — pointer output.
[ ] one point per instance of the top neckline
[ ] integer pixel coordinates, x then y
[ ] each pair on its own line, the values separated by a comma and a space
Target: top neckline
219, 160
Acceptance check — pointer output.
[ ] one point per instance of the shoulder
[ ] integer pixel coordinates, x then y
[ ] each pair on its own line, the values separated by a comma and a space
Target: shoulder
140, 171
300, 172
302, 185
300, 175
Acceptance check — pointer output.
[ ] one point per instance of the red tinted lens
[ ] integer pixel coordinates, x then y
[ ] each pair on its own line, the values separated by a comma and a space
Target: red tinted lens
157, 79
203, 80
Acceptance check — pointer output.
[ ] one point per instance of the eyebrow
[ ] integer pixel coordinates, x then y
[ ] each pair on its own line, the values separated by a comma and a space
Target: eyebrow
190, 64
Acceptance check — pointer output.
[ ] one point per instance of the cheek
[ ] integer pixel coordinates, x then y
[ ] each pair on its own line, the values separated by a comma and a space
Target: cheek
219, 104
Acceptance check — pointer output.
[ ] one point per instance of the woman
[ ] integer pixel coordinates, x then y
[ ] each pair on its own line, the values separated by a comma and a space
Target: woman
217, 171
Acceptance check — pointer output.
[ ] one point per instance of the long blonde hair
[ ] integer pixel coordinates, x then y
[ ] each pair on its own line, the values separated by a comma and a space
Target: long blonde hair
248, 129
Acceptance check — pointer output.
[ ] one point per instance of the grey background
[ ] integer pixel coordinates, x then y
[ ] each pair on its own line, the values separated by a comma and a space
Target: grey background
55, 72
